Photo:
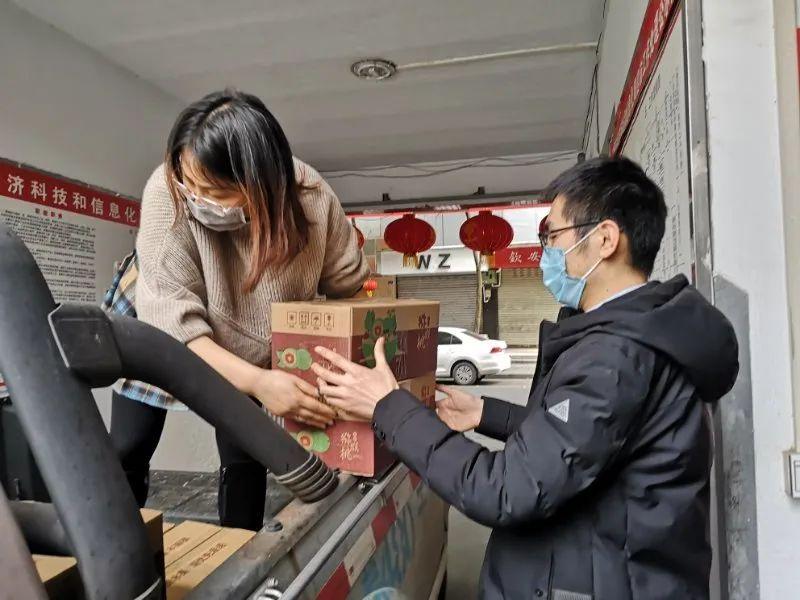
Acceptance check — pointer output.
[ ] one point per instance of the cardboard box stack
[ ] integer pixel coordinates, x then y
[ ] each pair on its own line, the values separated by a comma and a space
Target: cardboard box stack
193, 550
60, 576
351, 328
185, 555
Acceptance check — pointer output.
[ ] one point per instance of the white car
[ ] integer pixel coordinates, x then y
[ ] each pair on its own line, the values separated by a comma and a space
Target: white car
467, 357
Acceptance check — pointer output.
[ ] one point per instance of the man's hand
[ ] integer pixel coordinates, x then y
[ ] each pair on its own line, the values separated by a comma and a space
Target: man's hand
356, 390
459, 411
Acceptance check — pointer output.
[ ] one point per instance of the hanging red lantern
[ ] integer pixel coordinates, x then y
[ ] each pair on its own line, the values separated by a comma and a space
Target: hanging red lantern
361, 239
486, 233
370, 285
410, 236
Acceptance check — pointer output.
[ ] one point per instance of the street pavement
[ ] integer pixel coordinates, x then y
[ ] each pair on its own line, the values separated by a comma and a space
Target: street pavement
467, 539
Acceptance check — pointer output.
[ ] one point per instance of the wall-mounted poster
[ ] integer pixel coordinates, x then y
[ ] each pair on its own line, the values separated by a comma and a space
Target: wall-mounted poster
76, 232
651, 128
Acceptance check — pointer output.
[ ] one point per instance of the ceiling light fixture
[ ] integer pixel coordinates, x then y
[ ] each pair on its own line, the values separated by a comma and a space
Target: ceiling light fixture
374, 69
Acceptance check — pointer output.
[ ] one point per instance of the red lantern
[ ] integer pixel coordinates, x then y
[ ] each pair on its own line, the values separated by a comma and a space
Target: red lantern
361, 238
486, 233
370, 285
410, 236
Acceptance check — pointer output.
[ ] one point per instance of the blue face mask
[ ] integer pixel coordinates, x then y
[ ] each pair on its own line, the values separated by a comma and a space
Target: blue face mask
567, 290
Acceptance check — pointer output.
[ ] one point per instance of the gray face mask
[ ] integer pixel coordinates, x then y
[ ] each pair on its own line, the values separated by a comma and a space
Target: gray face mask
211, 214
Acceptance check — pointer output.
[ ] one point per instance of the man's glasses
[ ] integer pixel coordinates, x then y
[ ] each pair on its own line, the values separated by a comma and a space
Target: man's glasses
546, 235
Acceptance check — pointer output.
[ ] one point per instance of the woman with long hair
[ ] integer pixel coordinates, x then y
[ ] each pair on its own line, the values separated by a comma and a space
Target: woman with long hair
231, 222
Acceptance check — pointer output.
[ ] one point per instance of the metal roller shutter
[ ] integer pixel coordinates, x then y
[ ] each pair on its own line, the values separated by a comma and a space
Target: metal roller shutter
524, 303
457, 294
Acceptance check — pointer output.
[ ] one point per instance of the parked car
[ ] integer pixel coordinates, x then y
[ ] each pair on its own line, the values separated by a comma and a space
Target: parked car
467, 357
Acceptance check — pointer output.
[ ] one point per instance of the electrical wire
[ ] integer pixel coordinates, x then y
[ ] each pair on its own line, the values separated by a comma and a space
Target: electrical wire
522, 52
597, 80
587, 123
593, 110
511, 162
372, 173
418, 167
597, 116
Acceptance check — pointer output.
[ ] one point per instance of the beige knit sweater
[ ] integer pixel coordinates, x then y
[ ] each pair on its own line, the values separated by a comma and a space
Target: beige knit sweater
190, 277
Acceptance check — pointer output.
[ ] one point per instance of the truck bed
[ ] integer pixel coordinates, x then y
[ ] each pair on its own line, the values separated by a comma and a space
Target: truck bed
365, 536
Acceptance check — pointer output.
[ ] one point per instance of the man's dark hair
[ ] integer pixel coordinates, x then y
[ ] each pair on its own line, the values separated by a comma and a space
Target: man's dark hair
616, 189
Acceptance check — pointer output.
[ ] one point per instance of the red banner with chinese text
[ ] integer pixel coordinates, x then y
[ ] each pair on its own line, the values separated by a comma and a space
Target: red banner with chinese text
519, 257
58, 194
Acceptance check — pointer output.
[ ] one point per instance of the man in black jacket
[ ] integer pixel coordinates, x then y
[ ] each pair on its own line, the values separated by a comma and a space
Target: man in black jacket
602, 489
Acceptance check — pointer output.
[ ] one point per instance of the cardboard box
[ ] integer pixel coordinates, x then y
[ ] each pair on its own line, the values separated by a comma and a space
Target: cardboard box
185, 537
387, 287
186, 573
60, 575
351, 445
351, 328
154, 524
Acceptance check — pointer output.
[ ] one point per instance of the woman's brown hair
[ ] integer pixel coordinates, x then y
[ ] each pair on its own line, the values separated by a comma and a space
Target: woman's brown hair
239, 144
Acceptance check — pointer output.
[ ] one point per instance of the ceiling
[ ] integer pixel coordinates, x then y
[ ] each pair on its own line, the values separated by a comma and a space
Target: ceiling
296, 55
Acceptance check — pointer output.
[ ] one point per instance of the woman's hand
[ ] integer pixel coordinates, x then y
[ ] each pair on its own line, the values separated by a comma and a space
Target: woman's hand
459, 411
287, 395
356, 390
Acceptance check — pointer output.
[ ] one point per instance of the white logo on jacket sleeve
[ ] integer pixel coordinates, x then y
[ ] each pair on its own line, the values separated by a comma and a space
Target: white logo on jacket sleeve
560, 411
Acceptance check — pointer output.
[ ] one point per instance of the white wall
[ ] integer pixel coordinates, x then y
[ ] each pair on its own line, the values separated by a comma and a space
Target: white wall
65, 109
787, 34
748, 239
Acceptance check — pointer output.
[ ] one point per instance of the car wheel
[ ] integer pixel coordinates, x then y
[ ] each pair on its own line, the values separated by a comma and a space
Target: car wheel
465, 373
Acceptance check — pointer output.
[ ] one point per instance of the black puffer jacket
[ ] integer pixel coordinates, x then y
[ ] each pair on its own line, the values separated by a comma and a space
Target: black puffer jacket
602, 490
